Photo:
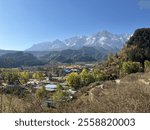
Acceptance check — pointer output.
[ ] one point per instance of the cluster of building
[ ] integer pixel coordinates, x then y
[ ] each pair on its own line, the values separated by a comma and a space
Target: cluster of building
76, 68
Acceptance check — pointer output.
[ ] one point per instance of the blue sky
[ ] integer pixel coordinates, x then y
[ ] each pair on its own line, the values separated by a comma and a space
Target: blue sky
27, 22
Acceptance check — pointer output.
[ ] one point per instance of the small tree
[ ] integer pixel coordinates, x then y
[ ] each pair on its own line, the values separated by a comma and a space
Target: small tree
38, 76
98, 75
59, 96
24, 77
74, 80
86, 78
90, 78
41, 92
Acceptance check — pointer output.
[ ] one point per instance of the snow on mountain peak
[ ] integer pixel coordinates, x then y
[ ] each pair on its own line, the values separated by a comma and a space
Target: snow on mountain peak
103, 39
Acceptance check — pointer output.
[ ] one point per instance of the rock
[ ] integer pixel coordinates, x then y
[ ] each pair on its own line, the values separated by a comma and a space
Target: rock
117, 81
144, 82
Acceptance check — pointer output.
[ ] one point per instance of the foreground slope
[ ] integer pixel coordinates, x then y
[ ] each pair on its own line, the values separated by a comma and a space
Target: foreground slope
130, 94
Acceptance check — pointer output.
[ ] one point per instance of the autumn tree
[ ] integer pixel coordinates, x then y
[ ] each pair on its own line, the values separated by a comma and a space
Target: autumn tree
37, 75
41, 92
24, 77
74, 80
86, 78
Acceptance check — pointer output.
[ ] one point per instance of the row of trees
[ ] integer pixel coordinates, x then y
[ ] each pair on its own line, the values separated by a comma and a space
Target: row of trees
16, 77
107, 71
76, 80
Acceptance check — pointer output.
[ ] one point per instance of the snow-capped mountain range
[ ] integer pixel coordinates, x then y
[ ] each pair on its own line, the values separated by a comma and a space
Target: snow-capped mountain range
109, 41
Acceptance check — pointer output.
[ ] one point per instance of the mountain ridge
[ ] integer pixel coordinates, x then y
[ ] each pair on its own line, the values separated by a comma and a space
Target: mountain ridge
90, 48
109, 41
85, 54
19, 59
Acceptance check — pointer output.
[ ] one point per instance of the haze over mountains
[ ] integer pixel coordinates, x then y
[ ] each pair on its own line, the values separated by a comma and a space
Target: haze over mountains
3, 52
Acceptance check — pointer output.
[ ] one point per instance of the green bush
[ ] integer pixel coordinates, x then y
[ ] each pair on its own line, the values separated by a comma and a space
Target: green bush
99, 75
59, 96
130, 67
41, 92
147, 66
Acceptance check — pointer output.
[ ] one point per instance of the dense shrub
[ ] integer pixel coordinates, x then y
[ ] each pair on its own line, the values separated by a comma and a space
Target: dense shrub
99, 75
11, 77
130, 67
15, 90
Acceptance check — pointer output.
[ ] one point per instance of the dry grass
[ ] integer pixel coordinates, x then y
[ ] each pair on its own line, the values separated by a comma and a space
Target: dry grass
129, 96
12, 104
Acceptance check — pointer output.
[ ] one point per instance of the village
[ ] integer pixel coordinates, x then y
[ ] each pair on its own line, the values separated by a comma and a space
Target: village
47, 83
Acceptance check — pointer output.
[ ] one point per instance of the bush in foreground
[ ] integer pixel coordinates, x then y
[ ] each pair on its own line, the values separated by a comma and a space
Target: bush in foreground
130, 67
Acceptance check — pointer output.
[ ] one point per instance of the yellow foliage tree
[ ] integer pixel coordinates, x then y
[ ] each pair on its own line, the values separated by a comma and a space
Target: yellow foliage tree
74, 80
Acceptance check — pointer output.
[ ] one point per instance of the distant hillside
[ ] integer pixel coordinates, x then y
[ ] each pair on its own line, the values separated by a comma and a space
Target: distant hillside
38, 54
3, 52
18, 59
85, 54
